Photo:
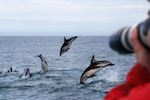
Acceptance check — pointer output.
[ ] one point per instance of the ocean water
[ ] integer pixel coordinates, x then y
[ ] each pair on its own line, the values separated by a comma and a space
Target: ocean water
61, 82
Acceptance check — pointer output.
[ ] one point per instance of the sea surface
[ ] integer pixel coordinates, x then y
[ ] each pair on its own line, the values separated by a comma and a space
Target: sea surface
61, 82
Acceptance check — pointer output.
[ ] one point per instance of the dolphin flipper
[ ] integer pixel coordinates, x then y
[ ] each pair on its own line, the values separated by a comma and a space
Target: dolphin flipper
92, 76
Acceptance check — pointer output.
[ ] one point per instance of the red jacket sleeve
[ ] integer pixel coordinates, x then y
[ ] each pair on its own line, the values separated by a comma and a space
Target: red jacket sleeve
138, 76
141, 92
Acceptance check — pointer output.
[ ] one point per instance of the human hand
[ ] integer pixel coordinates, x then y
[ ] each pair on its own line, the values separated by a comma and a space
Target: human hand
142, 54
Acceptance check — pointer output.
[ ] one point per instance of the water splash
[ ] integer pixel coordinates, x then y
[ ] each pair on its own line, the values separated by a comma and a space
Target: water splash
113, 76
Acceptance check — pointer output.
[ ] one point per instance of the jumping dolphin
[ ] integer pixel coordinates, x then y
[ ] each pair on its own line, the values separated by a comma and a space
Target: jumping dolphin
43, 63
94, 67
66, 45
26, 74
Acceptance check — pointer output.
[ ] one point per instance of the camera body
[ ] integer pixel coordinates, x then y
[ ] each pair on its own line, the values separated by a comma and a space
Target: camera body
120, 40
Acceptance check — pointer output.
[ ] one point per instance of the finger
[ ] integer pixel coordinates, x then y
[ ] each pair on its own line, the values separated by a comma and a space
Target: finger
135, 41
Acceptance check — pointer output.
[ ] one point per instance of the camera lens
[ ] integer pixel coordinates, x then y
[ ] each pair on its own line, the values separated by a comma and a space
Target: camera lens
120, 40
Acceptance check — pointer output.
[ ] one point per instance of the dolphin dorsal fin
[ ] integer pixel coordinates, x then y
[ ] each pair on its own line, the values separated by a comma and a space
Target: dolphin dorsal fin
93, 59
65, 39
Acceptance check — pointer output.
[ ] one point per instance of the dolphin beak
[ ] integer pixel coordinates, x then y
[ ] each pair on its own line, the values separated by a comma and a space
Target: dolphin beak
111, 64
61, 53
81, 82
37, 56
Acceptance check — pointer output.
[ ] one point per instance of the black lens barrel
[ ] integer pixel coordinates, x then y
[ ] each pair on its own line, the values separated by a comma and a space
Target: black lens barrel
120, 40
116, 43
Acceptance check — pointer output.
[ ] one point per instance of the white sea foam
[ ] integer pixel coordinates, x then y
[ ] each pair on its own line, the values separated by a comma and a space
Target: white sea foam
113, 76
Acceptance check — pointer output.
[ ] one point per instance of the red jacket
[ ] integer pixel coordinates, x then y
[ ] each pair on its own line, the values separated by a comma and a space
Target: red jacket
136, 87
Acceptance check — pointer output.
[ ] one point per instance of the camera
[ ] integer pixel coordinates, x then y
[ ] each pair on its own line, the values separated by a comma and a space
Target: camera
120, 40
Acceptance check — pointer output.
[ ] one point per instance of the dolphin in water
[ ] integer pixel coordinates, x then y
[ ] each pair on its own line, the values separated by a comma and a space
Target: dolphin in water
11, 70
26, 74
94, 67
66, 45
1, 72
43, 63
